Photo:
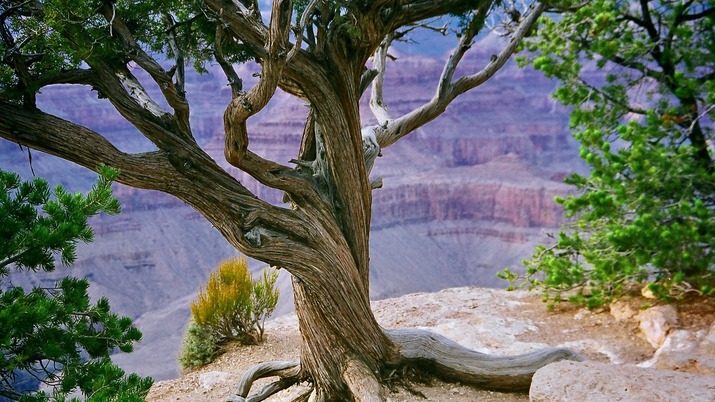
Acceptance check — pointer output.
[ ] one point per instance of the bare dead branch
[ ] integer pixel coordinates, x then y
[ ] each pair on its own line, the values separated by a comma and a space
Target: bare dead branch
301, 27
366, 79
424, 25
448, 90
234, 81
466, 83
137, 91
370, 148
266, 392
180, 75
377, 100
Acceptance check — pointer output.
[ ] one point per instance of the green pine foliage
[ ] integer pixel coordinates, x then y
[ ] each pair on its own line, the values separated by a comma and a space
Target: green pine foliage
34, 227
55, 334
639, 79
44, 29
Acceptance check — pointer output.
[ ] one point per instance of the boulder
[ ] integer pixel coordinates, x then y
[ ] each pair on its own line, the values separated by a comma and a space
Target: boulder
683, 350
592, 381
622, 310
656, 322
708, 343
211, 379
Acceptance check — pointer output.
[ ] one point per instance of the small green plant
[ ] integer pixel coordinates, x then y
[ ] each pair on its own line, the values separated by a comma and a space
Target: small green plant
234, 307
199, 347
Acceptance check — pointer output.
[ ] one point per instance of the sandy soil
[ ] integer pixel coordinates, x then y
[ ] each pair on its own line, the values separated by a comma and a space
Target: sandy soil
486, 320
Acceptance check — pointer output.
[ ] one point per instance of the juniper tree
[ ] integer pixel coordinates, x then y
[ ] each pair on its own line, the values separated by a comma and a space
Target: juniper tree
325, 53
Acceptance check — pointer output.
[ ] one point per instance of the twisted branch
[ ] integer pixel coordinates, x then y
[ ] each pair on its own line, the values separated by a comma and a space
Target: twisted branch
287, 371
173, 95
447, 89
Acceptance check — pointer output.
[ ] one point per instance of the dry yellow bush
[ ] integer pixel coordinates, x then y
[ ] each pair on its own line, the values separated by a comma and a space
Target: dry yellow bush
233, 306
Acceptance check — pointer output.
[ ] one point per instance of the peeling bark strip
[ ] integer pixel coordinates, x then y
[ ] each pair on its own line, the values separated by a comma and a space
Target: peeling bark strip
322, 238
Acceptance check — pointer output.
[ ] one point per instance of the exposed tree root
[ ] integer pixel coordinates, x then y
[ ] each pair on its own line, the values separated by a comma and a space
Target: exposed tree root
363, 384
426, 351
453, 362
287, 371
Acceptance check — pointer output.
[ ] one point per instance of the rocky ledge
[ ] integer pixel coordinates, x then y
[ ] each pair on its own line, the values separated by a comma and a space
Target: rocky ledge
621, 362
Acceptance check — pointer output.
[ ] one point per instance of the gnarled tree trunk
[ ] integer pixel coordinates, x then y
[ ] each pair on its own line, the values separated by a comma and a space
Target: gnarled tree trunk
322, 239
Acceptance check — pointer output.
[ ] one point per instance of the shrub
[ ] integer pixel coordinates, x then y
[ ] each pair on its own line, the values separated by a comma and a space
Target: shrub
234, 307
641, 109
199, 347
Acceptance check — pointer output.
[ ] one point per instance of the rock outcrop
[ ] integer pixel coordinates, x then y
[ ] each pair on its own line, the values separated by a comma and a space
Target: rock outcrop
497, 322
657, 322
684, 350
504, 190
593, 381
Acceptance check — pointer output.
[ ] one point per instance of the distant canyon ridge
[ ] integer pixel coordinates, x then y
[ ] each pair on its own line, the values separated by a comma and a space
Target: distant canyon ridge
464, 197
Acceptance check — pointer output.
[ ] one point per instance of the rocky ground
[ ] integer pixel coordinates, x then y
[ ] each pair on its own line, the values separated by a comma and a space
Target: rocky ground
632, 333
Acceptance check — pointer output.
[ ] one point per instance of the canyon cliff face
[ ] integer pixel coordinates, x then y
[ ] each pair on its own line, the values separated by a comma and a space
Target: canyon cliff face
500, 191
464, 197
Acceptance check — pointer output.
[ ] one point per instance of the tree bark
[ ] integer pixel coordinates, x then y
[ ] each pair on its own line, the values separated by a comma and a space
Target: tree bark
323, 238
338, 333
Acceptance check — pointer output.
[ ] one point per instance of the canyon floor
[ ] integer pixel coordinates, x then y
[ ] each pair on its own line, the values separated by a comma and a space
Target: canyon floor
488, 320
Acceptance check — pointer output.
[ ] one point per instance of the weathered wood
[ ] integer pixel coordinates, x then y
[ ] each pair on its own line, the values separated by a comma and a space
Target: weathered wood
453, 362
337, 329
288, 371
323, 239
363, 384
449, 89
377, 100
